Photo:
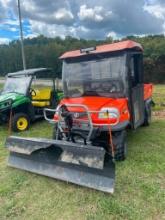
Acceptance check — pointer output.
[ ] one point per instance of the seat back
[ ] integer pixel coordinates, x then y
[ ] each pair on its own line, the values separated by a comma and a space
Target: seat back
42, 97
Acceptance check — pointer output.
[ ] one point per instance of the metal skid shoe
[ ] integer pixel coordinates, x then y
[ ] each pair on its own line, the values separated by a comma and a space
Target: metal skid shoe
80, 164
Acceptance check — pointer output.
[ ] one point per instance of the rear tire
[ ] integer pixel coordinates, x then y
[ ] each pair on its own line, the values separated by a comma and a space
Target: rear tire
148, 113
20, 122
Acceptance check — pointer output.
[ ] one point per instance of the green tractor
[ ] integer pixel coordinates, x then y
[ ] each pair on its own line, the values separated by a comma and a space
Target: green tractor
25, 95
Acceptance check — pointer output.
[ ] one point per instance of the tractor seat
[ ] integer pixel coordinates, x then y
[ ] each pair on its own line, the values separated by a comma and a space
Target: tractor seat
42, 97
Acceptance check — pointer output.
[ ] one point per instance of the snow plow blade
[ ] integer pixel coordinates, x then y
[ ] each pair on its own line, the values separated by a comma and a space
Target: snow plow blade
84, 165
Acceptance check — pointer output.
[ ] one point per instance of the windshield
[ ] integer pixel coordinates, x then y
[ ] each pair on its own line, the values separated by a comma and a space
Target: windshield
17, 85
99, 77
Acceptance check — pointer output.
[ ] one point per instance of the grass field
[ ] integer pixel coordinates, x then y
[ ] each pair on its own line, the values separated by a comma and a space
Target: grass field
139, 192
159, 97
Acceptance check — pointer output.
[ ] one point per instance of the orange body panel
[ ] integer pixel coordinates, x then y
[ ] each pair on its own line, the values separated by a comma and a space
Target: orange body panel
97, 103
148, 90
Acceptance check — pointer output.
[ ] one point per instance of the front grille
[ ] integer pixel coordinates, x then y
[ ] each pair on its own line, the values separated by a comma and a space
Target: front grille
79, 115
5, 104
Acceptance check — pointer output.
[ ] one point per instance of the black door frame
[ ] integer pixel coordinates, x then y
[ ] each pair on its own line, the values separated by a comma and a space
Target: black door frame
136, 90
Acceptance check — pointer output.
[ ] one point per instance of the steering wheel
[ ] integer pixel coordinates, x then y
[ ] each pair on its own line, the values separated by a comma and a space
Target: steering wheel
32, 92
74, 92
113, 88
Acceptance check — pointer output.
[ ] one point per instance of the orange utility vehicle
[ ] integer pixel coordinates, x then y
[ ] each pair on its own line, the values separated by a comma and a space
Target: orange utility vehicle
104, 94
108, 82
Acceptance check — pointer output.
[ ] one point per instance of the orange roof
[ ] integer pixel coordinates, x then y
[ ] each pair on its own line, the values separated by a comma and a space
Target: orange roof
105, 49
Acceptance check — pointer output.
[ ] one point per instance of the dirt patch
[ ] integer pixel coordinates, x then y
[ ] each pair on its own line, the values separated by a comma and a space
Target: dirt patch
159, 114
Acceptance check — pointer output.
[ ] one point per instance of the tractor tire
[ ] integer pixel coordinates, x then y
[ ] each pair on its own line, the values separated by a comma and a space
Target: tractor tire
120, 145
147, 115
20, 122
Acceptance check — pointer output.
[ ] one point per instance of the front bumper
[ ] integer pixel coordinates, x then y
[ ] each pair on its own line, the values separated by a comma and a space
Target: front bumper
4, 115
84, 126
118, 127
5, 107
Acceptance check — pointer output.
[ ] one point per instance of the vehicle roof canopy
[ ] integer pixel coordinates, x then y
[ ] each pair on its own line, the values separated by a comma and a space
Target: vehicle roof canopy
29, 72
107, 48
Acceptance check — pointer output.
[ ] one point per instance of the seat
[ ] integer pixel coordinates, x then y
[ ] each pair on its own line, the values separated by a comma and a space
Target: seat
42, 97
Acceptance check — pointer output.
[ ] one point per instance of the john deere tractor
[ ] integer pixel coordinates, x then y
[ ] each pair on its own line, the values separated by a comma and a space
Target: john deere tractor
25, 95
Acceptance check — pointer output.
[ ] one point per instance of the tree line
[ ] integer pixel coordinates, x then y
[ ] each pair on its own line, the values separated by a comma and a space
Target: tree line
42, 51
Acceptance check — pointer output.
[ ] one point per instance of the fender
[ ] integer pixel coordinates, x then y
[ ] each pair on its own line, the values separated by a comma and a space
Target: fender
119, 127
147, 103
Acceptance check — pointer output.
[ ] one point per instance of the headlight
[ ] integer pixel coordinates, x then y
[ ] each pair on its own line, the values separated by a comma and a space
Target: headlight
5, 104
109, 113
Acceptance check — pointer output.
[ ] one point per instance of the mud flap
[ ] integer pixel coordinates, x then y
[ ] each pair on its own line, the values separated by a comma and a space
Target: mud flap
84, 165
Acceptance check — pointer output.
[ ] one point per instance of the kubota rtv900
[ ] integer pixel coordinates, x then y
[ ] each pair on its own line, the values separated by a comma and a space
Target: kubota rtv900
104, 94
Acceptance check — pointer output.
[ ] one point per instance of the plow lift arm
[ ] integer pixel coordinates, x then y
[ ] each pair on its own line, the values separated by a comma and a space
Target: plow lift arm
79, 163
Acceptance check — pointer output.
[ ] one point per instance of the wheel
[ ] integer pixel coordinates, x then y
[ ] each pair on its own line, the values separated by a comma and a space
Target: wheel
147, 115
120, 146
121, 152
20, 122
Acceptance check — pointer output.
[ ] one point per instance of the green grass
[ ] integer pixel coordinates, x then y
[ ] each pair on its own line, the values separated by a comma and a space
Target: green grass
1, 86
139, 191
159, 97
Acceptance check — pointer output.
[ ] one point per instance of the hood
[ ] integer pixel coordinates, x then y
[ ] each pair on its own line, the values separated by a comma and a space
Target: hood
95, 103
15, 97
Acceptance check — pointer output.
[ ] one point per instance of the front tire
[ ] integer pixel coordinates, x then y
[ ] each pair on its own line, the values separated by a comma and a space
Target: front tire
121, 152
120, 146
20, 122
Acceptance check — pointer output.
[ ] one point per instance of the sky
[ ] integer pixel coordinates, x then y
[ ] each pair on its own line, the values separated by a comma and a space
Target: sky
89, 19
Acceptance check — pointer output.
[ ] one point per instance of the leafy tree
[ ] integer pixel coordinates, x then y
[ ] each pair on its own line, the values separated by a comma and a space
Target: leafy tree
42, 51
